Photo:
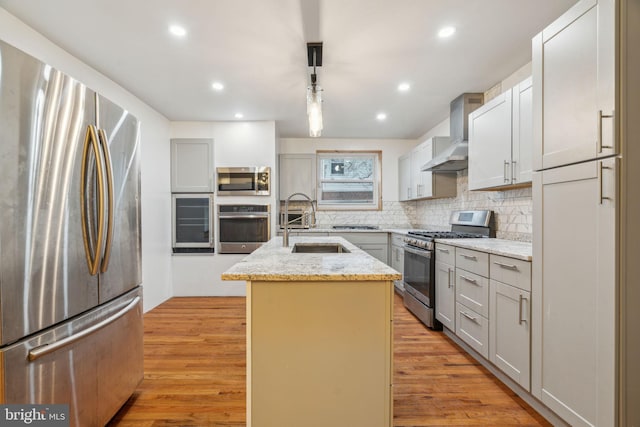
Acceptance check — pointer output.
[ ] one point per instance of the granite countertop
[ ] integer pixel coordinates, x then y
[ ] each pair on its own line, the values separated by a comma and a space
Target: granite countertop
348, 230
273, 262
508, 248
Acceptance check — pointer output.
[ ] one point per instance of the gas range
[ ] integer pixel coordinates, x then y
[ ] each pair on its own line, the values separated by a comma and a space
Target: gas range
419, 260
425, 239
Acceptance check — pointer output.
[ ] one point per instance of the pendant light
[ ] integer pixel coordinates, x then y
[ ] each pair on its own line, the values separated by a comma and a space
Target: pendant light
314, 92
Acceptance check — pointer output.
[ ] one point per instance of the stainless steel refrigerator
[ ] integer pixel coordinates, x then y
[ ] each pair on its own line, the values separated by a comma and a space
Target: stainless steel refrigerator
70, 261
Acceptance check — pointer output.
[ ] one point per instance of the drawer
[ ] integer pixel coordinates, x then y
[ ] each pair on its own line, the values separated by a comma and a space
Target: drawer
514, 272
473, 261
397, 239
472, 290
445, 253
473, 329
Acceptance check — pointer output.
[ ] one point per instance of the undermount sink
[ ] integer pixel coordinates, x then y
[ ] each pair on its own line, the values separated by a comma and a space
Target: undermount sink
319, 248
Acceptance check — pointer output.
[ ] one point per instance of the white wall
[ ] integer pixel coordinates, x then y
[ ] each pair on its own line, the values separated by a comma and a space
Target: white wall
235, 144
156, 223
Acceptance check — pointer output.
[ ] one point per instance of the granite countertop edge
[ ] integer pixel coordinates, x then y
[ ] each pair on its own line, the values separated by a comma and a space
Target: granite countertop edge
508, 248
273, 262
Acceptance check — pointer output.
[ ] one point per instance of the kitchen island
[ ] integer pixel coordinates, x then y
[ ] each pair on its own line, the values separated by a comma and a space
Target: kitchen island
319, 334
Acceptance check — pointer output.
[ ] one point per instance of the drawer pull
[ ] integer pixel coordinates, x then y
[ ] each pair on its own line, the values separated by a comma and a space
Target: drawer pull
470, 317
469, 279
471, 257
446, 251
507, 266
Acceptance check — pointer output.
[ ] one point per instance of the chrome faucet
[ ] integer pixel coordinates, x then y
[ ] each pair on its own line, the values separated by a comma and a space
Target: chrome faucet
312, 223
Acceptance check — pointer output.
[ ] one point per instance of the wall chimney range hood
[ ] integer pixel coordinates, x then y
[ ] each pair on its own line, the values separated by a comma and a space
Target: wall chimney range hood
455, 157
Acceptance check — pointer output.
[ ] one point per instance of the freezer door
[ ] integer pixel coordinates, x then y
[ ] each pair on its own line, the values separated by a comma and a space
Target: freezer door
93, 363
44, 278
121, 266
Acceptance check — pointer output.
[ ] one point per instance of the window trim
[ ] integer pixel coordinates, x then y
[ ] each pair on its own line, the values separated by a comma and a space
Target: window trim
376, 205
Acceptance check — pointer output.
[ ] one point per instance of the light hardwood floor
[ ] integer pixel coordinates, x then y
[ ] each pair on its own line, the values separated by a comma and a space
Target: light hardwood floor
194, 350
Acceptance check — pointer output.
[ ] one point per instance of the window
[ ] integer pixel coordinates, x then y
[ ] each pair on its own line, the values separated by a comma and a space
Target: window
349, 180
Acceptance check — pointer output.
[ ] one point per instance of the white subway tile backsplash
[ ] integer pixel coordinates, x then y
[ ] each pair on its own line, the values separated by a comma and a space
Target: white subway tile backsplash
512, 209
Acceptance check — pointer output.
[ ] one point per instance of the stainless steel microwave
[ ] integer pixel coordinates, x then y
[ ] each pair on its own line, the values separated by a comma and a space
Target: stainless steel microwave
192, 223
298, 218
249, 181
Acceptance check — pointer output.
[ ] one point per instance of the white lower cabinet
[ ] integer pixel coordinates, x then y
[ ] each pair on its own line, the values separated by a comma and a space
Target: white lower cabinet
375, 244
510, 332
445, 295
397, 252
491, 305
446, 285
473, 329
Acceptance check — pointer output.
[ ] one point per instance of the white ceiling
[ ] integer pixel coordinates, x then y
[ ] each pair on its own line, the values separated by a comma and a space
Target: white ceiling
257, 48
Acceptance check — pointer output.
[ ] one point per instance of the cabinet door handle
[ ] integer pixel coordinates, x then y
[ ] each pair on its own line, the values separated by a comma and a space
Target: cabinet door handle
449, 278
504, 172
520, 319
513, 171
471, 257
507, 266
601, 169
469, 279
470, 317
600, 117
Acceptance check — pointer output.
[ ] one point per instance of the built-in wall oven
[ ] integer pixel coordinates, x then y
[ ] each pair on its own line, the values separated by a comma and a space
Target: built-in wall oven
419, 260
243, 228
248, 181
192, 223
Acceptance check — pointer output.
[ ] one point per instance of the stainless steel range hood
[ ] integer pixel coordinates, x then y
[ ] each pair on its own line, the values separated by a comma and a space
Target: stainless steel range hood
455, 157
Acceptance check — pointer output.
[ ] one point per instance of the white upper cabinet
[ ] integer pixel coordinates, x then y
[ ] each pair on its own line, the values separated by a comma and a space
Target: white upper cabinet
404, 177
416, 184
574, 86
500, 140
522, 132
297, 174
192, 168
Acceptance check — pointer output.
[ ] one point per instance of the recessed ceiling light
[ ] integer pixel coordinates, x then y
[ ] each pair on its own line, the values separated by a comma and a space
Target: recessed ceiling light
238, 115
381, 116
177, 30
217, 86
404, 87
446, 32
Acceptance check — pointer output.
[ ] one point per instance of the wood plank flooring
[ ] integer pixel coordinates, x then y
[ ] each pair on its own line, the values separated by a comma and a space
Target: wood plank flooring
195, 373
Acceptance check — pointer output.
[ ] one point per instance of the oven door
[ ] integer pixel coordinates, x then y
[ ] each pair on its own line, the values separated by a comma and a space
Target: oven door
242, 233
419, 274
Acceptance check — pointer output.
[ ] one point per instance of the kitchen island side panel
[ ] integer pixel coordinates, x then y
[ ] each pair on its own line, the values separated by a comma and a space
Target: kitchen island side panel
319, 353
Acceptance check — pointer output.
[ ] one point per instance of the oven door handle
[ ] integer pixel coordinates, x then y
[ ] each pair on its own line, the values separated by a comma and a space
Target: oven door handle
420, 252
242, 216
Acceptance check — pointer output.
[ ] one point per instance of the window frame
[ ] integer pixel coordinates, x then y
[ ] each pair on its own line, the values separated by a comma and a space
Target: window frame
375, 205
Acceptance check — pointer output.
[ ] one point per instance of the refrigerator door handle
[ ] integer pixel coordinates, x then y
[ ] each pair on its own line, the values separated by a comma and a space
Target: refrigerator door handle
43, 350
104, 142
92, 253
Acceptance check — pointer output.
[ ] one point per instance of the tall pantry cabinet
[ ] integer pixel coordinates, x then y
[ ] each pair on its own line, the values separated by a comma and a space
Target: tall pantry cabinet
584, 202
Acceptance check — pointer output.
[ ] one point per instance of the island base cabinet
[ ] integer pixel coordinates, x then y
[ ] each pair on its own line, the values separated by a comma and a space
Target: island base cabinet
510, 331
319, 354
